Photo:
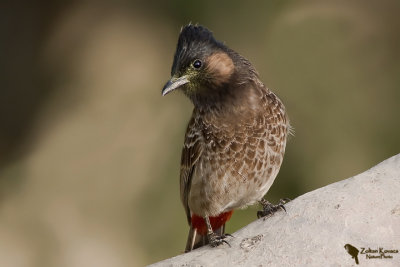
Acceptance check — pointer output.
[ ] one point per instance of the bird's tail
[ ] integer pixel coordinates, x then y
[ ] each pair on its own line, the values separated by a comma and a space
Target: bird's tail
196, 240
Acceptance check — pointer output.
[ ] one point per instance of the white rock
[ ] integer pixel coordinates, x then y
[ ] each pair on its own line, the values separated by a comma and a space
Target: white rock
363, 211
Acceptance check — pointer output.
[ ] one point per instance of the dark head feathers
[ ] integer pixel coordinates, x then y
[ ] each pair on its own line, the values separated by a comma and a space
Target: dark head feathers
195, 41
196, 34
198, 43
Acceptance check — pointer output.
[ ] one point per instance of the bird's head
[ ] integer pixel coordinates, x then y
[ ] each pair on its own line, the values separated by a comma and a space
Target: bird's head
203, 67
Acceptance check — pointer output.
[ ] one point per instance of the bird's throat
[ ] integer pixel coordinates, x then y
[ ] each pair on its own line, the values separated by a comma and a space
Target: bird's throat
216, 222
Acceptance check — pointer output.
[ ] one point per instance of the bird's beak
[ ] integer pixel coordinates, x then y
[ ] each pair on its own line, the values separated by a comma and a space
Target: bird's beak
174, 83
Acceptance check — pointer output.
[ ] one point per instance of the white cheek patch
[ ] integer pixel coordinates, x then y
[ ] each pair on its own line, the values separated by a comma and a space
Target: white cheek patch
220, 66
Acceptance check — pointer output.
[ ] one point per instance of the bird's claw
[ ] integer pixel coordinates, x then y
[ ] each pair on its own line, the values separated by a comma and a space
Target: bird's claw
216, 240
269, 208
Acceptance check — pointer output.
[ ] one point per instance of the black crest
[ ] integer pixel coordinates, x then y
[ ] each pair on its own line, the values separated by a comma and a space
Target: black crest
195, 41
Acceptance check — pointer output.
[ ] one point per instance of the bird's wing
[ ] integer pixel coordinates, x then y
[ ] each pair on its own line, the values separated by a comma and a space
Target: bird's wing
192, 149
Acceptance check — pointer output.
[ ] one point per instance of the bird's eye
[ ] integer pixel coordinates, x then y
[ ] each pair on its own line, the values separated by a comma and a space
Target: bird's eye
197, 64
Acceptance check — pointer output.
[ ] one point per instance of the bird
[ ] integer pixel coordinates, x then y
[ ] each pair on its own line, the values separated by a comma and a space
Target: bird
352, 251
235, 139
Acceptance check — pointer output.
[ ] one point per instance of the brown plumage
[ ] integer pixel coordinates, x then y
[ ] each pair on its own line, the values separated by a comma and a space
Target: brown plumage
235, 140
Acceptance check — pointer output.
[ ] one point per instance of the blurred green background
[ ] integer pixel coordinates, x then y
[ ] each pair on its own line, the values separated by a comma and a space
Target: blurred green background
90, 151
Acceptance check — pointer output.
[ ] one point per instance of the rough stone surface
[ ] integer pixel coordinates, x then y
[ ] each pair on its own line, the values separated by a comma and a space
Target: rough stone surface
363, 211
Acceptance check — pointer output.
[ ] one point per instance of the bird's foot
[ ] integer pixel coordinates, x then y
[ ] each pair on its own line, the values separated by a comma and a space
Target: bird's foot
216, 240
269, 208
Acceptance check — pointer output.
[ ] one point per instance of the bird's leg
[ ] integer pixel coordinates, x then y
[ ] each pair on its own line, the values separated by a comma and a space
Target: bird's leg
269, 208
214, 239
221, 232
